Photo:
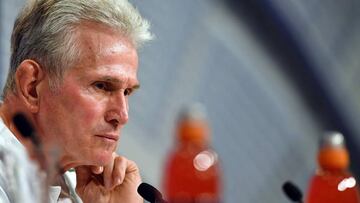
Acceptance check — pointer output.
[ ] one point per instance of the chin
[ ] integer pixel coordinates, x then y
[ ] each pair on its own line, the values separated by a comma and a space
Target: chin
103, 158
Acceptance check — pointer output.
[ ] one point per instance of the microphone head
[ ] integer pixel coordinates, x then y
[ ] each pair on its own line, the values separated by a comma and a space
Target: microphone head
23, 125
292, 191
149, 193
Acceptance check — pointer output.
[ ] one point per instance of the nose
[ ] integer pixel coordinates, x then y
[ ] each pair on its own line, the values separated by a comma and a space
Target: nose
118, 113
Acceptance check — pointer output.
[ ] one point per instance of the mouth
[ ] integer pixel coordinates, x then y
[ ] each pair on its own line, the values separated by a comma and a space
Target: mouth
109, 137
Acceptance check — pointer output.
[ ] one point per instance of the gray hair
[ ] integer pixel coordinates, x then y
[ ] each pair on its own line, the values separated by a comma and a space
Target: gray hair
45, 32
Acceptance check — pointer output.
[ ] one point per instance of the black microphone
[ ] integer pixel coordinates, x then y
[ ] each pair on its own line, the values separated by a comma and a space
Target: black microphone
292, 192
150, 193
26, 129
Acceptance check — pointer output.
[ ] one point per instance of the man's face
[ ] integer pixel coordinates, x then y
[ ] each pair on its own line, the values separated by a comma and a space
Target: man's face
84, 116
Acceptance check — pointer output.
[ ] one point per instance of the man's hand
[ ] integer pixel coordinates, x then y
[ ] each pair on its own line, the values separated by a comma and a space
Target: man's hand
114, 183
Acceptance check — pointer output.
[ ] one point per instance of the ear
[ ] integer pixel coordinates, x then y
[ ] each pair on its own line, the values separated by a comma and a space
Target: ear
28, 76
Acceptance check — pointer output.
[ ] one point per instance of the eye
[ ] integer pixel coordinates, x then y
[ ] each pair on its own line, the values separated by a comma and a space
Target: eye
128, 91
101, 85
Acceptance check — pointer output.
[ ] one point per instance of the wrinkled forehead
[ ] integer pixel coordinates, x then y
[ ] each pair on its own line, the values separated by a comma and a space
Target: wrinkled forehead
99, 41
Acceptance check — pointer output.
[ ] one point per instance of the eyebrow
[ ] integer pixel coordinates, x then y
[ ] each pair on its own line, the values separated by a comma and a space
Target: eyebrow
115, 80
135, 87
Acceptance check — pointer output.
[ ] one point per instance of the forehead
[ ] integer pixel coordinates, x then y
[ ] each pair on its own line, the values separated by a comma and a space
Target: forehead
96, 40
104, 50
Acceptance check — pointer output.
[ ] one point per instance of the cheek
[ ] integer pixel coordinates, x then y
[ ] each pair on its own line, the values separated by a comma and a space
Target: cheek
83, 109
72, 112
88, 115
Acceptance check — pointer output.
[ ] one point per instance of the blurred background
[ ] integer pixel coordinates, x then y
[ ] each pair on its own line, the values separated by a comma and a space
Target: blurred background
272, 74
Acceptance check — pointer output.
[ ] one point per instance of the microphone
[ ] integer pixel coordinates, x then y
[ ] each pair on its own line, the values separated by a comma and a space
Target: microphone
150, 193
292, 192
26, 129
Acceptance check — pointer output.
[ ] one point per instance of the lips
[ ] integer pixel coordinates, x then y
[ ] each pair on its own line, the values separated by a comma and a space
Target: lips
113, 137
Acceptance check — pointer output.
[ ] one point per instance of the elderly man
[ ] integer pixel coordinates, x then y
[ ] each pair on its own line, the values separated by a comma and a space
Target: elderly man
73, 67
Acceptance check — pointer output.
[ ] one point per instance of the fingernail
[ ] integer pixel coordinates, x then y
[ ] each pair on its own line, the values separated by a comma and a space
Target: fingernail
118, 181
98, 170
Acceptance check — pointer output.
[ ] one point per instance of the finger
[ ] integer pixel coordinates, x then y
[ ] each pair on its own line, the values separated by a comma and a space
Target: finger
120, 166
132, 167
97, 169
108, 170
133, 173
